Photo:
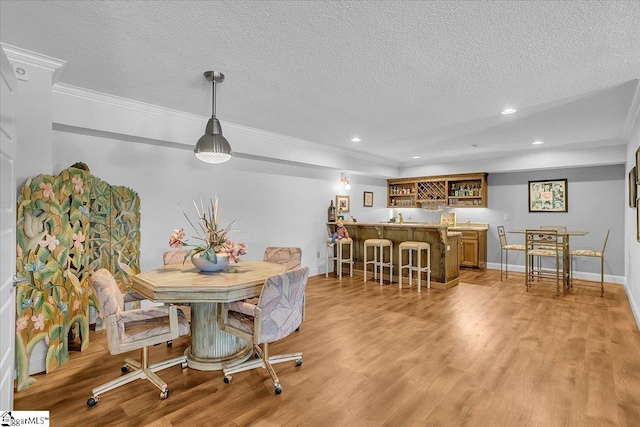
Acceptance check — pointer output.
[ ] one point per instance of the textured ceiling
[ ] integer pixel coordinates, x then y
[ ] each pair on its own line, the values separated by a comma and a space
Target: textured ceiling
410, 78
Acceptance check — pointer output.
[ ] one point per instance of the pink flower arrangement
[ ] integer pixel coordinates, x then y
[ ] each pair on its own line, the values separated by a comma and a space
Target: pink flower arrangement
215, 240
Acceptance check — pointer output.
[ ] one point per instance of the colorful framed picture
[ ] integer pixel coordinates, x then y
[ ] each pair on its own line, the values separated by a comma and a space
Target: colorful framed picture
633, 189
368, 199
342, 203
548, 196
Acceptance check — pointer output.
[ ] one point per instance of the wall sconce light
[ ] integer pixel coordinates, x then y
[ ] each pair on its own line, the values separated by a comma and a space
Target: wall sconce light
345, 182
212, 147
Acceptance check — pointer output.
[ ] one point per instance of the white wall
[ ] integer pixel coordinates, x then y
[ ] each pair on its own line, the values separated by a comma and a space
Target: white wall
272, 204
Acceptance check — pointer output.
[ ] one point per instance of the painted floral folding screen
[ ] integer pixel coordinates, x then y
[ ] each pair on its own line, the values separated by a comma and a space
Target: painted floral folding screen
68, 226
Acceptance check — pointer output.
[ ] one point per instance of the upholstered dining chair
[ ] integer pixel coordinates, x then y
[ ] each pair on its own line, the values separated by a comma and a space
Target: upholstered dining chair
291, 257
288, 256
591, 253
135, 329
504, 249
540, 244
175, 257
277, 314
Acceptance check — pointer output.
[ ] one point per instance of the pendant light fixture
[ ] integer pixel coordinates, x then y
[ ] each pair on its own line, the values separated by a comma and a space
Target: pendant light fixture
212, 147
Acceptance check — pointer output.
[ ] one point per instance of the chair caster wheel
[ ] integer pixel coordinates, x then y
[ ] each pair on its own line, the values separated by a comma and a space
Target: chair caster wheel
227, 380
278, 390
92, 402
299, 362
164, 394
124, 369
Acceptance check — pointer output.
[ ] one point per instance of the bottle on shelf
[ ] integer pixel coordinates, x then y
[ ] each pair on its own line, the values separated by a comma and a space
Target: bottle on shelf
331, 213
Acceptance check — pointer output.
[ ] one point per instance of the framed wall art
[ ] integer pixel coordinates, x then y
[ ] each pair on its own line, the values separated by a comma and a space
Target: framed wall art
548, 196
633, 194
638, 166
368, 199
342, 203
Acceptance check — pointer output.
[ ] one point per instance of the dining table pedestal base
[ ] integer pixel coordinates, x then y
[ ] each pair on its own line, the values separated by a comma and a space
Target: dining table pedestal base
228, 349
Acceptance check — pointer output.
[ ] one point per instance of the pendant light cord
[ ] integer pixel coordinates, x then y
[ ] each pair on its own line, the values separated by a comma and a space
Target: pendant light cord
213, 101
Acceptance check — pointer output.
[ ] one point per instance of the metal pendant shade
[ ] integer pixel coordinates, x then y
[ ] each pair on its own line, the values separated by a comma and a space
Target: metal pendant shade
212, 147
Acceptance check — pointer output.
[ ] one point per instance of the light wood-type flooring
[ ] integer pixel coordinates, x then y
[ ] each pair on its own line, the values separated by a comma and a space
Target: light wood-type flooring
484, 353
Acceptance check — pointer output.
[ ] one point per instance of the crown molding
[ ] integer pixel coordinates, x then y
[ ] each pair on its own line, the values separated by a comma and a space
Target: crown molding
28, 57
120, 102
126, 103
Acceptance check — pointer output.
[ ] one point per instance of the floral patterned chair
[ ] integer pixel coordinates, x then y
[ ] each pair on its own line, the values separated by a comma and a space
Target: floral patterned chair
277, 314
291, 257
135, 329
175, 257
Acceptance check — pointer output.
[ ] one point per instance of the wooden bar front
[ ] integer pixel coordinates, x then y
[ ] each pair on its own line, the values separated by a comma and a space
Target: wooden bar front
444, 244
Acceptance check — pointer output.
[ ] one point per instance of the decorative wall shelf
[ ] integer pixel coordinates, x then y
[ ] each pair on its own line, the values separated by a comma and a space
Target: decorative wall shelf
454, 191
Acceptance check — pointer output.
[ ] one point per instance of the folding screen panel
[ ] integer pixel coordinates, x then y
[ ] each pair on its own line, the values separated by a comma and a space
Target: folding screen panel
68, 226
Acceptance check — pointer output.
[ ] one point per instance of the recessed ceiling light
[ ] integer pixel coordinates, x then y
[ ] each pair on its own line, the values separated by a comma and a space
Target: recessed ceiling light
355, 139
415, 157
475, 145
538, 142
508, 111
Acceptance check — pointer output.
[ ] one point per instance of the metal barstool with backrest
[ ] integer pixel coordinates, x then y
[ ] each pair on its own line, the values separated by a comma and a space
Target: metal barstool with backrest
559, 229
378, 246
504, 249
542, 243
418, 247
591, 253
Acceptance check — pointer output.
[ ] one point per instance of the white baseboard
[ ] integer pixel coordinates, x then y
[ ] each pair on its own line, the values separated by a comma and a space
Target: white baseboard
634, 307
38, 359
595, 277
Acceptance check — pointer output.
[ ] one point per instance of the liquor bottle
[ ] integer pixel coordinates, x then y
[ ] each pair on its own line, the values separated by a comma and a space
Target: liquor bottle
331, 213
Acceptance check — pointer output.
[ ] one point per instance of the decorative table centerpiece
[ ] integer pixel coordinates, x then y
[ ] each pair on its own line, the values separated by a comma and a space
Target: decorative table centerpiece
215, 251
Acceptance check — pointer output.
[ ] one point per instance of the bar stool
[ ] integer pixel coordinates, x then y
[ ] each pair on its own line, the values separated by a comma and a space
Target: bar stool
418, 247
378, 246
591, 253
338, 256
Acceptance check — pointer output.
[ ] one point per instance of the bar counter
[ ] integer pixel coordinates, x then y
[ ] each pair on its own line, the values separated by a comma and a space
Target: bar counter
444, 244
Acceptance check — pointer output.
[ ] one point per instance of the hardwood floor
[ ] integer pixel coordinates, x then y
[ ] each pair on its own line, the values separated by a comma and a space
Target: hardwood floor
484, 353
